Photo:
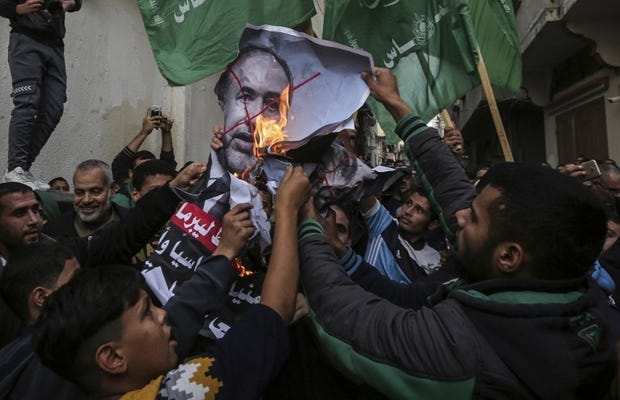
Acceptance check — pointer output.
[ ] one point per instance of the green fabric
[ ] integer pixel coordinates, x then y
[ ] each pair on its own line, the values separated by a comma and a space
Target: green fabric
408, 127
389, 380
430, 193
122, 200
527, 297
193, 39
431, 47
49, 204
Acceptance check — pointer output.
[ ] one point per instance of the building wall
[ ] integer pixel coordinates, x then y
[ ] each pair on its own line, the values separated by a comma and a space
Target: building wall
612, 116
112, 80
550, 32
612, 111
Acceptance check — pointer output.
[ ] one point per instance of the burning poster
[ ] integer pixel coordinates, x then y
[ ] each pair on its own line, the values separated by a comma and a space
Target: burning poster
283, 98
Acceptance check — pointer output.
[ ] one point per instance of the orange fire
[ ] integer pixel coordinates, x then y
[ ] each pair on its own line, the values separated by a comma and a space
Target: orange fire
237, 264
268, 132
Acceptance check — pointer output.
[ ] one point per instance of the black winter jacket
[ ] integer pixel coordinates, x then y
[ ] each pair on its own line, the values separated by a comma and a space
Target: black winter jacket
41, 26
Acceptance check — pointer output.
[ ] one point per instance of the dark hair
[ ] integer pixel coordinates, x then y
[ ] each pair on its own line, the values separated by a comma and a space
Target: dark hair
144, 155
13, 187
612, 212
57, 179
81, 316
150, 168
225, 79
607, 168
558, 221
36, 264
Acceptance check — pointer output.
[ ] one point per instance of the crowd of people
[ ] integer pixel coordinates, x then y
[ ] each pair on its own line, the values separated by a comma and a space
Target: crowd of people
429, 284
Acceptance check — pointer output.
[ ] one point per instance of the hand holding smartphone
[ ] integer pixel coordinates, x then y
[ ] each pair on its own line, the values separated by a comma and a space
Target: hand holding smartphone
591, 170
155, 111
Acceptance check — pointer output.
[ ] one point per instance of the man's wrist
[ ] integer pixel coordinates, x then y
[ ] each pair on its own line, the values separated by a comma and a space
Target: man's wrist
286, 212
340, 250
144, 132
226, 252
398, 108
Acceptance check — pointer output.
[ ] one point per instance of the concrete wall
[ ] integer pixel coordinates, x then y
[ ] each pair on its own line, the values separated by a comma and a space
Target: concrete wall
112, 80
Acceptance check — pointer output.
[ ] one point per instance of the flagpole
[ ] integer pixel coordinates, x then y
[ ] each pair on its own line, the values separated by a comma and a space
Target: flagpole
448, 123
497, 119
446, 119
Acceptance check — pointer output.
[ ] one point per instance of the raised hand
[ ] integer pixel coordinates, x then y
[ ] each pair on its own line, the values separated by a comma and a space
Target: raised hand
293, 192
574, 170
453, 138
29, 6
384, 87
216, 140
166, 124
187, 178
149, 123
237, 228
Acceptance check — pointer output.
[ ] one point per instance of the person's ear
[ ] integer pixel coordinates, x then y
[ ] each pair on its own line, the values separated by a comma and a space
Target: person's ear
111, 359
508, 258
38, 296
134, 195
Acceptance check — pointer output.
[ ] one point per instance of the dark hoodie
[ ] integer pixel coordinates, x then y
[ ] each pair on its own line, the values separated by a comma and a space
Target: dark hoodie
553, 335
41, 25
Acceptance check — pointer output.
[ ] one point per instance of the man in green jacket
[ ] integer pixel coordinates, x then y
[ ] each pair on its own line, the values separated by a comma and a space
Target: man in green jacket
525, 322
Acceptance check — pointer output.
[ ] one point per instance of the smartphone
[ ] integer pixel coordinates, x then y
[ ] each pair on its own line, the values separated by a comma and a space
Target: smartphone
155, 111
591, 169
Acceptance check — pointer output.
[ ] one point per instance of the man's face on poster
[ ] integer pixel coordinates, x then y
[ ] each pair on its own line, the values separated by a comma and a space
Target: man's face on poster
261, 79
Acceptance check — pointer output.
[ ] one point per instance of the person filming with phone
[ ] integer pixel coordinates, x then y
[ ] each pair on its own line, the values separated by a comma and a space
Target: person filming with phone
131, 156
602, 178
39, 87
607, 185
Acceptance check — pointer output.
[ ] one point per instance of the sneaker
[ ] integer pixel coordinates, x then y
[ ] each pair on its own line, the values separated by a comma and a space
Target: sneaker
39, 185
19, 175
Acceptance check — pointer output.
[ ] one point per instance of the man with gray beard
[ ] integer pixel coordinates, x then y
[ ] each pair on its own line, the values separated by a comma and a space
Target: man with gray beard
92, 203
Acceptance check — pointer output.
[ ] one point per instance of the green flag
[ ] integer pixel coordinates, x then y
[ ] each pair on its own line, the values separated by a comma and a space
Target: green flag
430, 46
192, 39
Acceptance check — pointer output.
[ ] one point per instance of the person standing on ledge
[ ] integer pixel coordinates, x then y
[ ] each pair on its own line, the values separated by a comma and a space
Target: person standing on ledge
39, 80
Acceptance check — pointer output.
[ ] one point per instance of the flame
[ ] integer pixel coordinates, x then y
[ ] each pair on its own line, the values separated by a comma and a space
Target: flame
269, 131
238, 266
